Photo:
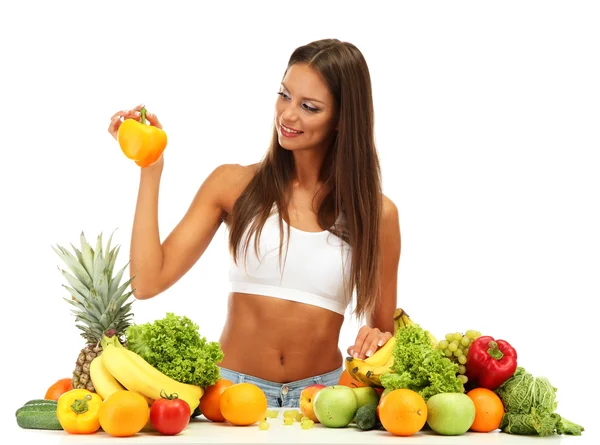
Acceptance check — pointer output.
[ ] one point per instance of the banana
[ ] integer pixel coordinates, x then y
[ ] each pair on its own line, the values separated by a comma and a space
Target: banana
398, 322
358, 369
194, 390
136, 374
104, 383
376, 373
364, 370
383, 354
370, 370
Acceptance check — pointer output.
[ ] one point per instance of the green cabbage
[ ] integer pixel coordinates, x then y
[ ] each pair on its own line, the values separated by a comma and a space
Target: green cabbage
419, 366
174, 346
530, 405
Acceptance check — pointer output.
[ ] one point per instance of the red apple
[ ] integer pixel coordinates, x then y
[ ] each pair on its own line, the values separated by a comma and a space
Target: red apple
307, 397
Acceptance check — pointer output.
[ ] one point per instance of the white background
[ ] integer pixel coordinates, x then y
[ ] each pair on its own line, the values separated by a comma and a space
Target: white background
486, 125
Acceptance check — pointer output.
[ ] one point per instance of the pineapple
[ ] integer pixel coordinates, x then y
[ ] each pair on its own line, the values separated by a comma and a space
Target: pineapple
100, 303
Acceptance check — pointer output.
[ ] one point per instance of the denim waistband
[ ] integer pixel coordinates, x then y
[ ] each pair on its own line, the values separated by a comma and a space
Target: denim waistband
294, 385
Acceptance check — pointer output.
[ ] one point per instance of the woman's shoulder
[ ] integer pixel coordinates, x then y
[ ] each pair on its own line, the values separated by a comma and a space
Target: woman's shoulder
234, 174
388, 206
230, 180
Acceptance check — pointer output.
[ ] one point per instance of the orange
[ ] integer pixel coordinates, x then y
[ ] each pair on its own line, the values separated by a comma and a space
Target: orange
402, 412
210, 402
58, 388
488, 410
347, 380
123, 413
243, 404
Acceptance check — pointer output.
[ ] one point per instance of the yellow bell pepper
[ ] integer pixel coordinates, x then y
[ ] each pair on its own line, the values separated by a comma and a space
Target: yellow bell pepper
78, 411
140, 142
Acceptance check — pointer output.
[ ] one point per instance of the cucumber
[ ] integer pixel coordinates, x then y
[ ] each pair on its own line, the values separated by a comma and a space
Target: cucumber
38, 414
366, 417
38, 401
38, 420
38, 404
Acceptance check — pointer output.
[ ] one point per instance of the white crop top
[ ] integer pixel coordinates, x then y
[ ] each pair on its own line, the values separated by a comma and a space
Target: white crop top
313, 273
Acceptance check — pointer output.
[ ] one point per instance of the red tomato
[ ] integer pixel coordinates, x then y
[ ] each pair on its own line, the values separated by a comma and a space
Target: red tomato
169, 415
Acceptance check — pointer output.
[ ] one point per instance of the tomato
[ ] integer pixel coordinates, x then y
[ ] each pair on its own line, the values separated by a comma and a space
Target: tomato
169, 415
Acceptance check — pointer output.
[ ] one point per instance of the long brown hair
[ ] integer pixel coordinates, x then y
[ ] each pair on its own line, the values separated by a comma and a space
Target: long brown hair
350, 172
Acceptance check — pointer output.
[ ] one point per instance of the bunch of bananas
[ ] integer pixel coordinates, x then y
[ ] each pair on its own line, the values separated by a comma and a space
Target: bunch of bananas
370, 370
118, 368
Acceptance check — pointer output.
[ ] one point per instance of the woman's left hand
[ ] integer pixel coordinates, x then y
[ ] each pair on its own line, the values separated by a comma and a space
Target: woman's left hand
367, 342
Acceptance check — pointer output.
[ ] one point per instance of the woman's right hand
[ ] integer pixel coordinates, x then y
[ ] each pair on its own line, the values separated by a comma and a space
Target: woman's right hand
117, 119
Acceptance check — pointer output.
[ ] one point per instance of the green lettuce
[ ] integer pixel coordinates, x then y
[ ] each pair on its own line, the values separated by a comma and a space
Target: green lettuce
530, 405
173, 345
419, 366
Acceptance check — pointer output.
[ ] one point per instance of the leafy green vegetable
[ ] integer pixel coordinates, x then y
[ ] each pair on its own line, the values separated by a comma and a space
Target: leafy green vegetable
174, 346
530, 405
533, 423
420, 367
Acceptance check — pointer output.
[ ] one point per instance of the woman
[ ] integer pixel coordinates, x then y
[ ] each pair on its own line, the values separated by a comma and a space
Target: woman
308, 226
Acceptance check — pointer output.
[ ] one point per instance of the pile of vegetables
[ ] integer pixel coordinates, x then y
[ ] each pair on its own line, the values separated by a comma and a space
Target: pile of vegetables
419, 366
530, 405
174, 346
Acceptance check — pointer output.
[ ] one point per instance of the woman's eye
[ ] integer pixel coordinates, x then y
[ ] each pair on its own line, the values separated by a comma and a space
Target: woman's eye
306, 106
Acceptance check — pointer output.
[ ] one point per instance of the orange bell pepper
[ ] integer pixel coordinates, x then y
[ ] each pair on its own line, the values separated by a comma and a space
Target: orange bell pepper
141, 142
78, 411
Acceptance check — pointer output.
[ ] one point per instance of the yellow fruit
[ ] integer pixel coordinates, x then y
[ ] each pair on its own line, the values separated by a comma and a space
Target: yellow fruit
124, 413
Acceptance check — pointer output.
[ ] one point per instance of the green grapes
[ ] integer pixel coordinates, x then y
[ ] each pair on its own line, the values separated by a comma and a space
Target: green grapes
455, 347
291, 413
307, 424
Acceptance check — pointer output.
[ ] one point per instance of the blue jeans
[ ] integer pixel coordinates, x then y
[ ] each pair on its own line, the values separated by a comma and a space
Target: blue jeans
283, 394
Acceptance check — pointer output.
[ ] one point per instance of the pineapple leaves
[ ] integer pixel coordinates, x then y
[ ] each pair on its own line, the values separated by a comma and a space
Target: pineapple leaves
75, 266
80, 314
118, 293
76, 284
120, 301
111, 258
99, 302
116, 280
99, 245
98, 267
111, 255
103, 288
75, 295
87, 255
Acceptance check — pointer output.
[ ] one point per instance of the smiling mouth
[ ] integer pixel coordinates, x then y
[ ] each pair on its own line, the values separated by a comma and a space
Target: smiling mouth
289, 130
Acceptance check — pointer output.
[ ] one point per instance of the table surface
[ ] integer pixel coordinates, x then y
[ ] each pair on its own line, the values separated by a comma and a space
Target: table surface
202, 431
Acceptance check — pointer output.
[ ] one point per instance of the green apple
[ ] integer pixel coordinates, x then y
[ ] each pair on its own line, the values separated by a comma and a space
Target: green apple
450, 413
366, 395
335, 406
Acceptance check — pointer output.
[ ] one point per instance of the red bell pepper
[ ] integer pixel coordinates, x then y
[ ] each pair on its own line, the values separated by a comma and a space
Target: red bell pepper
490, 362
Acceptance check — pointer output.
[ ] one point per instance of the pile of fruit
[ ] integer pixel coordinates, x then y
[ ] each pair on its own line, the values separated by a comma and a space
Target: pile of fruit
125, 382
465, 382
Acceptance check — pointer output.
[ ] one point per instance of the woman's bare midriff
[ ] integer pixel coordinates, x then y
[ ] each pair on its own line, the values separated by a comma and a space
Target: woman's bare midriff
279, 340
